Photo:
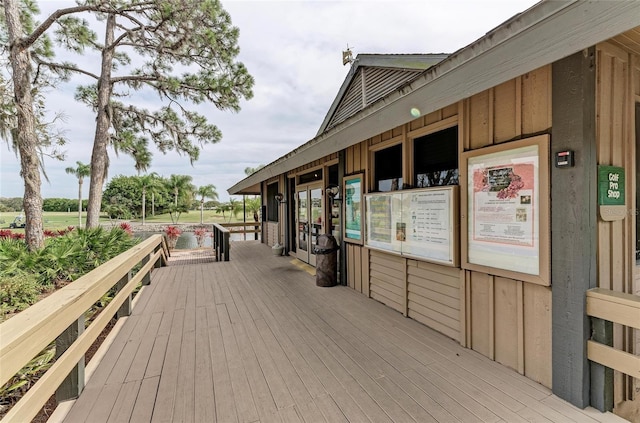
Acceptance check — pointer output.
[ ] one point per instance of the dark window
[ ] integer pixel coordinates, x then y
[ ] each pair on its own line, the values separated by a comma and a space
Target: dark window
436, 159
316, 175
272, 203
388, 168
333, 175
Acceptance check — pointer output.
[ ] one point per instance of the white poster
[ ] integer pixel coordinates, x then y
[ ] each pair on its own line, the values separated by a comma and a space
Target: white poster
429, 227
503, 210
416, 223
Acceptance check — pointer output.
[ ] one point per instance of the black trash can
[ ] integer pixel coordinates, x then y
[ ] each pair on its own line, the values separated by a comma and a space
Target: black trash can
326, 251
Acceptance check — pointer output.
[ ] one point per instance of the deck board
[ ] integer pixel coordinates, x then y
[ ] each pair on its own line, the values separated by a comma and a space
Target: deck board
254, 340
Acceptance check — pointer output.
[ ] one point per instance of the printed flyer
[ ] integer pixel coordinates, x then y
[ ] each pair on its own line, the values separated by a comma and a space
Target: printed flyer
503, 215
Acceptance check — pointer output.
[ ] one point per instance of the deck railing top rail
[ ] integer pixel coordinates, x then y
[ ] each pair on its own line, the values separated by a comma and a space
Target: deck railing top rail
26, 334
616, 307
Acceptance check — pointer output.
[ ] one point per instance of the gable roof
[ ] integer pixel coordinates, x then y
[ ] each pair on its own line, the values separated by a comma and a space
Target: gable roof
543, 34
371, 77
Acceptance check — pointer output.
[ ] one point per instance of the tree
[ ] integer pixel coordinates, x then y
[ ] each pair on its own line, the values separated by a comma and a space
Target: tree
193, 37
18, 21
185, 52
206, 191
221, 208
182, 189
253, 206
80, 172
234, 207
251, 170
148, 183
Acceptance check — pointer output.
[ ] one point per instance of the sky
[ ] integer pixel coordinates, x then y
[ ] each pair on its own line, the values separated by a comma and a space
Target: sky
293, 49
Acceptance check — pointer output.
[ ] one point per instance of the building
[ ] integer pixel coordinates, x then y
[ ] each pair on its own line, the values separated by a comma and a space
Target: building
484, 193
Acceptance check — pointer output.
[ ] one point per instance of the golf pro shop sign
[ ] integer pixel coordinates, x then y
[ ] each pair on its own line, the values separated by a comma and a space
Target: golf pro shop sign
611, 193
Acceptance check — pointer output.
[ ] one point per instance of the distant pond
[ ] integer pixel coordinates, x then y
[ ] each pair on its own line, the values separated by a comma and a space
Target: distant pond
187, 240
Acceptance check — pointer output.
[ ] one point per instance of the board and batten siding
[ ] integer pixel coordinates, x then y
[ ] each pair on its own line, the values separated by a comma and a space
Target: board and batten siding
357, 257
427, 292
508, 320
617, 88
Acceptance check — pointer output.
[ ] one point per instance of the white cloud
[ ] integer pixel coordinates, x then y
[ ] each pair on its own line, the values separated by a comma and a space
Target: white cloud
293, 50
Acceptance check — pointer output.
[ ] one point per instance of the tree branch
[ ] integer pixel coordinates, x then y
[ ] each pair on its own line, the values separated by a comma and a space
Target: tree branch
58, 66
28, 41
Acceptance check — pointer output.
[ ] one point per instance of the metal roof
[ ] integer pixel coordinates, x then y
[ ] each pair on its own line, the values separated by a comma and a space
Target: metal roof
543, 34
371, 77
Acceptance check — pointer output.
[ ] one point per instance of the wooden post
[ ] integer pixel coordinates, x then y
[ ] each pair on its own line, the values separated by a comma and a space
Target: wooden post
601, 376
158, 263
73, 385
125, 308
573, 222
146, 280
226, 246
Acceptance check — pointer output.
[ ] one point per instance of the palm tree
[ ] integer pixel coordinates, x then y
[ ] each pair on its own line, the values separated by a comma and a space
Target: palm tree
181, 186
206, 191
234, 207
178, 184
148, 183
80, 172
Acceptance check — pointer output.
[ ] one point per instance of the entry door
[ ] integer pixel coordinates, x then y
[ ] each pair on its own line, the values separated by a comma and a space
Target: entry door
309, 221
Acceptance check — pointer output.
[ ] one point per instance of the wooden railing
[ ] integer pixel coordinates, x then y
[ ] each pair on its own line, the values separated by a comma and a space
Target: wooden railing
60, 317
255, 228
606, 307
221, 245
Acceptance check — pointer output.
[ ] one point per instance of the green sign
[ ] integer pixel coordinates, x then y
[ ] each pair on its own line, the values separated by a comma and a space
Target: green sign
610, 186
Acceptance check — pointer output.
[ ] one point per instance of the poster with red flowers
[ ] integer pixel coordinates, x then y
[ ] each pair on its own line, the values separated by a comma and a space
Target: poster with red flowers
503, 210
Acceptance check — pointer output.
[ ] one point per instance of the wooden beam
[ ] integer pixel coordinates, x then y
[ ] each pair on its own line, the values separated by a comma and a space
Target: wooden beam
626, 311
573, 222
621, 361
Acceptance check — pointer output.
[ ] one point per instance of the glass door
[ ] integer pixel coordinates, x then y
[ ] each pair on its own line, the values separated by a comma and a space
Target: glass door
316, 220
309, 221
302, 206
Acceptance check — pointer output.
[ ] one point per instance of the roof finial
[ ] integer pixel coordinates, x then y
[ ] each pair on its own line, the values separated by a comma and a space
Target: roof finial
347, 56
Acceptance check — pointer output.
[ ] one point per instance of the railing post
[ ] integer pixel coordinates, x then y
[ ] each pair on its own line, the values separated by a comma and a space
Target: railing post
146, 279
73, 385
125, 308
601, 376
226, 246
158, 263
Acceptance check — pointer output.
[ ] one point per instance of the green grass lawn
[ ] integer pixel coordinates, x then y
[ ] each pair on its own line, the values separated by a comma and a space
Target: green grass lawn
208, 216
61, 220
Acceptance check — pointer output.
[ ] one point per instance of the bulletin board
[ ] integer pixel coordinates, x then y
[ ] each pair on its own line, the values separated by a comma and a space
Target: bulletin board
505, 210
420, 223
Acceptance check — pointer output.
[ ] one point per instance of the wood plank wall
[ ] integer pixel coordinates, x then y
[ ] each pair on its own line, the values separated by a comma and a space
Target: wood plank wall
508, 320
617, 78
428, 293
357, 257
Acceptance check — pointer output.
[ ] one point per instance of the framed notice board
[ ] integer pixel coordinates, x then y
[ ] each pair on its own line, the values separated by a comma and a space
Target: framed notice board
505, 210
420, 224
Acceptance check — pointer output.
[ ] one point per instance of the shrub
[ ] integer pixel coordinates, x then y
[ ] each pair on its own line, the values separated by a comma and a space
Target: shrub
17, 293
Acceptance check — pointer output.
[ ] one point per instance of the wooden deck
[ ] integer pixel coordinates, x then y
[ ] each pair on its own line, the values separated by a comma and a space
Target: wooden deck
254, 340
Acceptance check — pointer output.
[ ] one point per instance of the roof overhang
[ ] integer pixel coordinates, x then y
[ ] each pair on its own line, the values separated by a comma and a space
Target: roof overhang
543, 34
